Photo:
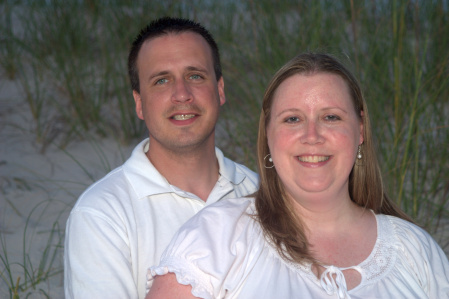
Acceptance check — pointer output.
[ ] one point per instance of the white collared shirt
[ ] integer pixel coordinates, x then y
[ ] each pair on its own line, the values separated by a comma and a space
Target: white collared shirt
122, 223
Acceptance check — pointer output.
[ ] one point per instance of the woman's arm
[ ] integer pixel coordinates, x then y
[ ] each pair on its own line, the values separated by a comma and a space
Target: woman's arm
166, 286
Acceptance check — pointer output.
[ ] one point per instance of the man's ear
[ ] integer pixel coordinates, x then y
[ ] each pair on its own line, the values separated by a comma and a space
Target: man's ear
138, 101
221, 92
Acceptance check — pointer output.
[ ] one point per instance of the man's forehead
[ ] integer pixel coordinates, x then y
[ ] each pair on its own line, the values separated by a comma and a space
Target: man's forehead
174, 37
187, 50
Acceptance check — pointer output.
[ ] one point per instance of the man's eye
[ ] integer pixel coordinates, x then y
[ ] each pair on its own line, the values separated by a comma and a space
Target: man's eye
196, 77
161, 81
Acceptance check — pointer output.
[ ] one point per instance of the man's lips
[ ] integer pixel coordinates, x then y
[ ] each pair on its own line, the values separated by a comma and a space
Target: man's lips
313, 159
183, 116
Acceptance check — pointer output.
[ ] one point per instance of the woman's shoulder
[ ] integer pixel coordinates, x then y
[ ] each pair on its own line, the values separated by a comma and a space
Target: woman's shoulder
227, 219
412, 240
235, 204
406, 230
418, 254
225, 211
213, 247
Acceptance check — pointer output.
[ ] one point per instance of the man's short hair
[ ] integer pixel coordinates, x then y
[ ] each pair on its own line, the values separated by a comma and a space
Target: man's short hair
165, 26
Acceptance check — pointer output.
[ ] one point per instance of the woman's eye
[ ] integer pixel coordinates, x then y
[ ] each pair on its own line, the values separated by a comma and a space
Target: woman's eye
332, 117
292, 119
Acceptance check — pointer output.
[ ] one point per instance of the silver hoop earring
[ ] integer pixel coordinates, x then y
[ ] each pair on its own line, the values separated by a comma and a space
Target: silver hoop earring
269, 160
359, 152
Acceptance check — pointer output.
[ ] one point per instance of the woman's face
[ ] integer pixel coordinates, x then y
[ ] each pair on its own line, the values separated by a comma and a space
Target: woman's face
313, 135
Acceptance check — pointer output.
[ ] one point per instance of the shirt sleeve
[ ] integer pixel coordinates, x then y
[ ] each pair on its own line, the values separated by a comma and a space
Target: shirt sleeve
425, 257
96, 258
210, 252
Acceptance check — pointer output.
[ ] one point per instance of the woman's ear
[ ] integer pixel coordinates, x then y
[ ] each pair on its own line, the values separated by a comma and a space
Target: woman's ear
362, 116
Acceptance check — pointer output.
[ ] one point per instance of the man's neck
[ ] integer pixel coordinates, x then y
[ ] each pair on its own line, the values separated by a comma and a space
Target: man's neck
194, 171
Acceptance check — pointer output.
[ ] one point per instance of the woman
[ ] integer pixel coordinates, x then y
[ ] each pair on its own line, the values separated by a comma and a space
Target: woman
320, 225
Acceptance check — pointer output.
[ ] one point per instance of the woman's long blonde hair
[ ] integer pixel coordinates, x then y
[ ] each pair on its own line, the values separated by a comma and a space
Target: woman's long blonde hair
274, 211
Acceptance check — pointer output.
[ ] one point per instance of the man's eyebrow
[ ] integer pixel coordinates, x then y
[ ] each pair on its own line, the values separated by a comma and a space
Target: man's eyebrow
158, 74
195, 68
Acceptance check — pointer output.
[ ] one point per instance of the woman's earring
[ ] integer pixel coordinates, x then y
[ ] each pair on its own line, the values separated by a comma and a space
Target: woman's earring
269, 160
359, 152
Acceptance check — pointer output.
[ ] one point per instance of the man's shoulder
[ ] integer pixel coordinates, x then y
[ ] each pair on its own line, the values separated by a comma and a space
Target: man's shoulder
115, 185
131, 179
112, 186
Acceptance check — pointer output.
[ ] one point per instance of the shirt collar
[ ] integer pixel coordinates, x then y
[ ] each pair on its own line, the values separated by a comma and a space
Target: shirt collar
228, 168
146, 179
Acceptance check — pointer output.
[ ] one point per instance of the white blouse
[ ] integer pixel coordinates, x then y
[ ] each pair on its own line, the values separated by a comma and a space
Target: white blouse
222, 253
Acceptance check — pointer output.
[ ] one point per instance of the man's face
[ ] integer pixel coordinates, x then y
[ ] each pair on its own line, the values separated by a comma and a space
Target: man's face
179, 97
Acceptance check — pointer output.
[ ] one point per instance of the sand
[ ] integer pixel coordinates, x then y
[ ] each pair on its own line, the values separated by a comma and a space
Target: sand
37, 191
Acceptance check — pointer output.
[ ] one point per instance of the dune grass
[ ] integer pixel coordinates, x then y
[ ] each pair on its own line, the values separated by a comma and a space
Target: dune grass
27, 275
69, 59
31, 269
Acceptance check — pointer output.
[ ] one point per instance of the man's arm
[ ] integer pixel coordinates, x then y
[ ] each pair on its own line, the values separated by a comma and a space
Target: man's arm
166, 286
97, 258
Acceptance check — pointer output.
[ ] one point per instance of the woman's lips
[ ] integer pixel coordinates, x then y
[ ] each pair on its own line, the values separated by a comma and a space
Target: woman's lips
313, 159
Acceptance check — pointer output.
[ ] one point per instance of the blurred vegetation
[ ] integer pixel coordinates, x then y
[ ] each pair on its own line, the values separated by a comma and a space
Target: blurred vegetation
69, 59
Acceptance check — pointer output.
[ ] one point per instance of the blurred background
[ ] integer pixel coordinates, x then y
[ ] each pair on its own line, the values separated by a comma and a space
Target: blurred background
64, 85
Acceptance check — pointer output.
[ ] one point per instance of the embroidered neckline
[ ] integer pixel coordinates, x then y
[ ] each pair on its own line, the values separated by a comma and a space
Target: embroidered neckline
378, 264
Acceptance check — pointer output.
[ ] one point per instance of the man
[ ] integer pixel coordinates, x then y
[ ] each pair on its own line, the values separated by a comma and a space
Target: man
121, 225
